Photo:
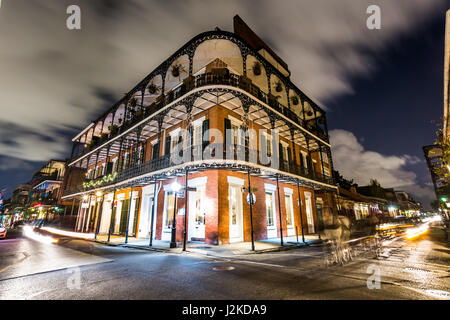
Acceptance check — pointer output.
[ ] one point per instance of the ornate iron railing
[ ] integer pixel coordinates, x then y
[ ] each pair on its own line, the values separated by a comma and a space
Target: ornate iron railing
197, 153
205, 79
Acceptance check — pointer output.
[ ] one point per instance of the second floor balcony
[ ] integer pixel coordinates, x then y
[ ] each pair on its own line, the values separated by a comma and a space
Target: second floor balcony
197, 158
136, 113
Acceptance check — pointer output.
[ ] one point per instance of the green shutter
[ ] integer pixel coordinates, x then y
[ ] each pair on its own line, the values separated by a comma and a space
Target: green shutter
167, 151
205, 128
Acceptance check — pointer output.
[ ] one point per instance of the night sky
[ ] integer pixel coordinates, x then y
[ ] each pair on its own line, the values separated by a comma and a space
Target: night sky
381, 88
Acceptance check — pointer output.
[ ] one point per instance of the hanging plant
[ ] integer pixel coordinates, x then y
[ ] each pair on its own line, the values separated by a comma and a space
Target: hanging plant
133, 102
177, 69
152, 88
278, 86
294, 100
112, 128
256, 68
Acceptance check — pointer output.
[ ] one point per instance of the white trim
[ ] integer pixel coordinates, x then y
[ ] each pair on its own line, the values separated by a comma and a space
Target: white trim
235, 180
109, 197
154, 141
175, 132
168, 187
197, 182
284, 143
288, 191
270, 187
198, 122
234, 120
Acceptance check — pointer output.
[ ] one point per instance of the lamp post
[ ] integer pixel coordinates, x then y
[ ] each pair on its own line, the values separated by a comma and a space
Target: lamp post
173, 241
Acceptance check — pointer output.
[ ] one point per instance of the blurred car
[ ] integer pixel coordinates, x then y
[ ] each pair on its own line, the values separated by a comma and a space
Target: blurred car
2, 232
18, 224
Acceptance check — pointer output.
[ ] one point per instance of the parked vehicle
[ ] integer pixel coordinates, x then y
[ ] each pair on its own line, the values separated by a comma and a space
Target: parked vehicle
2, 232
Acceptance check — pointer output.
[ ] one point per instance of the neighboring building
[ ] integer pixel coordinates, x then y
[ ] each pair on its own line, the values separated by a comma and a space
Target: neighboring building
20, 198
384, 201
46, 187
359, 203
408, 206
208, 114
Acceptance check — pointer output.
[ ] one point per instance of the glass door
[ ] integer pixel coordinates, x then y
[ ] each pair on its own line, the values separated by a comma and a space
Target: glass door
196, 215
235, 210
169, 206
289, 215
271, 216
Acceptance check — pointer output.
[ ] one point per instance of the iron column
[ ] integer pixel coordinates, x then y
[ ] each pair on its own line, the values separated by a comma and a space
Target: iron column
129, 214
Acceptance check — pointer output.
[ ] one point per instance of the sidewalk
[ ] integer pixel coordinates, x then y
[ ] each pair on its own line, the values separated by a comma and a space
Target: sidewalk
225, 250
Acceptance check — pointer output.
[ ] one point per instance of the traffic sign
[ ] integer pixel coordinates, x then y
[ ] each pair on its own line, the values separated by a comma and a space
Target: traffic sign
251, 198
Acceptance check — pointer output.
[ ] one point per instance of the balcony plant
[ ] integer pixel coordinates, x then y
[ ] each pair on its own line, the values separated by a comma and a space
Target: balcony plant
278, 86
139, 113
113, 128
103, 136
133, 102
256, 68
177, 69
294, 100
153, 88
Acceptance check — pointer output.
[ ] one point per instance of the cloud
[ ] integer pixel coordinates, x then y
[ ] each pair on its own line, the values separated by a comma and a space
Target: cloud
352, 160
55, 81
9, 163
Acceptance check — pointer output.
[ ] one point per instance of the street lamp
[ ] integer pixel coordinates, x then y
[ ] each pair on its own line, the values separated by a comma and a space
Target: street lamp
175, 187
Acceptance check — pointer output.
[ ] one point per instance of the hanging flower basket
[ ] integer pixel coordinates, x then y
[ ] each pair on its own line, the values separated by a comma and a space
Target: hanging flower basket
256, 68
278, 86
176, 70
113, 128
152, 88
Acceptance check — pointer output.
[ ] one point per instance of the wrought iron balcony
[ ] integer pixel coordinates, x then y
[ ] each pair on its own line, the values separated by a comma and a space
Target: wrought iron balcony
235, 152
191, 83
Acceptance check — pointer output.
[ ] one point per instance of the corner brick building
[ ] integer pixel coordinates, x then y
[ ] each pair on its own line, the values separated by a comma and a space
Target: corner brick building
219, 113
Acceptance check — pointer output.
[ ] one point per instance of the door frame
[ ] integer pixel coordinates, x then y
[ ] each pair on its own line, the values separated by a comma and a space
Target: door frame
271, 188
234, 182
290, 229
309, 212
199, 183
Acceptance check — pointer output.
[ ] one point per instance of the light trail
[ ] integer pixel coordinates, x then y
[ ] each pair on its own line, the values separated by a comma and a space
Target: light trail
29, 233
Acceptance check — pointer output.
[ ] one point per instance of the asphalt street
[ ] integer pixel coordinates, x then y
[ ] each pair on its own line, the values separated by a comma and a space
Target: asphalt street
78, 269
